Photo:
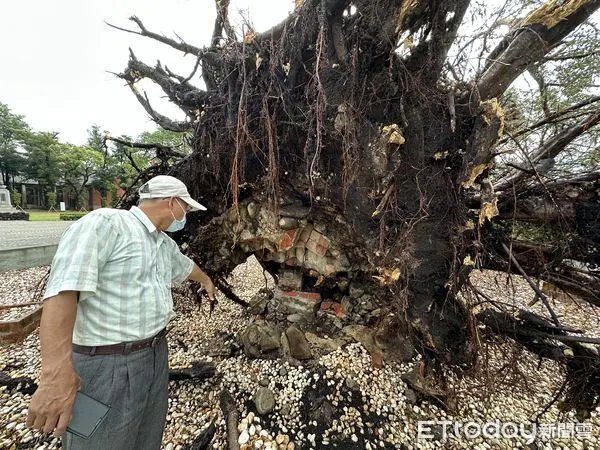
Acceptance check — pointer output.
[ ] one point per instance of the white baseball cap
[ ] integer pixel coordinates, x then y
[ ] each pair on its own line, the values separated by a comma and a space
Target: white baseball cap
163, 186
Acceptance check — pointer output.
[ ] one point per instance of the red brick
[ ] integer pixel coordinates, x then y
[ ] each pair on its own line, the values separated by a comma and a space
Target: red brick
312, 296
324, 242
288, 239
320, 250
335, 307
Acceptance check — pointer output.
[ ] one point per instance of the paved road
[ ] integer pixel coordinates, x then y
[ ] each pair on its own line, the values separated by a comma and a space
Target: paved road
22, 233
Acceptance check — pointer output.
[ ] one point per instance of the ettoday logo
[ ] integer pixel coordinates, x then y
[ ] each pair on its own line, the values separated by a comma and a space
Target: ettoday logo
442, 429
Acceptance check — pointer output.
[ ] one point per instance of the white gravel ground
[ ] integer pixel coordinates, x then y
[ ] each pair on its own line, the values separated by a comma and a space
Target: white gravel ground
379, 415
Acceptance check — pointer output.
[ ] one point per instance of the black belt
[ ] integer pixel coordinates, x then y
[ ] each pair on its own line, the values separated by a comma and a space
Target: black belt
124, 348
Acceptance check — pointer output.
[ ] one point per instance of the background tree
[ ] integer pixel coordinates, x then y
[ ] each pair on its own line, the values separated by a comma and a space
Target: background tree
380, 125
105, 175
95, 138
13, 131
43, 160
79, 165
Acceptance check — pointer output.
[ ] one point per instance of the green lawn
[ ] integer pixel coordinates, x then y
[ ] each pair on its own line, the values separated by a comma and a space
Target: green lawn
41, 216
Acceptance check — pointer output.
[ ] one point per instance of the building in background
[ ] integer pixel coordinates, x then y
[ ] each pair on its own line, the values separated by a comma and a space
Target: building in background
33, 195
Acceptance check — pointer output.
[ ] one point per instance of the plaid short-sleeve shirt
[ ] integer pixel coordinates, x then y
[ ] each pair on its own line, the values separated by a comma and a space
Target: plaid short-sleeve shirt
123, 268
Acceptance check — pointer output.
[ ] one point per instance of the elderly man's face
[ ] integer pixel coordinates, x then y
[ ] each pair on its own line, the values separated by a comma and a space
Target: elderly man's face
178, 207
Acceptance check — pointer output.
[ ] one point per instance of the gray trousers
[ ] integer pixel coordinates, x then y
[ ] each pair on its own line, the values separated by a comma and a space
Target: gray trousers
136, 386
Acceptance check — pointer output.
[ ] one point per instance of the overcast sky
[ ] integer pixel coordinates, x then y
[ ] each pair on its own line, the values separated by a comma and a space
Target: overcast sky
56, 54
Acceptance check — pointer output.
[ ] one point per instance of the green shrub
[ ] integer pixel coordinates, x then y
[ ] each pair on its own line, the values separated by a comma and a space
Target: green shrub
16, 198
71, 215
52, 199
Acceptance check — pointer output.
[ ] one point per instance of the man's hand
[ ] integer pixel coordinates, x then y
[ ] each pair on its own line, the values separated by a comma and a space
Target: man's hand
52, 404
209, 287
204, 280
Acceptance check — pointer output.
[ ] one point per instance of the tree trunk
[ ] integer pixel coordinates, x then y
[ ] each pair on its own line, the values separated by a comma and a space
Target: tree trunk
320, 148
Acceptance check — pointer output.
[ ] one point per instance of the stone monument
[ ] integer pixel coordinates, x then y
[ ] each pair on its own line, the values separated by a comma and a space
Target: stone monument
7, 212
4, 198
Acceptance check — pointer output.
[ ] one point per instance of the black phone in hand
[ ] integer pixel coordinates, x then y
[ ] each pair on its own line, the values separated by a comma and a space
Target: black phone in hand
88, 413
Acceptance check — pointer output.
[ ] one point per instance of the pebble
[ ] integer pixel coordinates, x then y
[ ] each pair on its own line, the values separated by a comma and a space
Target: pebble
243, 438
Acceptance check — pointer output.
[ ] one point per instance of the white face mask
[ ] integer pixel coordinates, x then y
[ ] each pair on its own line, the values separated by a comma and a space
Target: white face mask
177, 225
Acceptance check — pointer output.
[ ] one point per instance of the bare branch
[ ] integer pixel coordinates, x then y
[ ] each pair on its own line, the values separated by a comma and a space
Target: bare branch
181, 46
163, 152
127, 154
552, 148
145, 146
206, 56
567, 56
161, 120
186, 96
432, 53
542, 30
189, 77
552, 117
222, 22
483, 36
592, 175
560, 141
171, 74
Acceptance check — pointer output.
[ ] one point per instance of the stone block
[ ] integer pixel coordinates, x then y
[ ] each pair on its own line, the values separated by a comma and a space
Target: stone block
299, 347
261, 340
290, 280
313, 241
316, 262
16, 215
300, 252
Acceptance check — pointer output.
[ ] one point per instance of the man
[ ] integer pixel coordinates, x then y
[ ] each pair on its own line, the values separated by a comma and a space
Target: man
106, 307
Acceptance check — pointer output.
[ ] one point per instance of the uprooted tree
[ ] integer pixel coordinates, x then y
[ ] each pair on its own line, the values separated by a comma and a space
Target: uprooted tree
345, 144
